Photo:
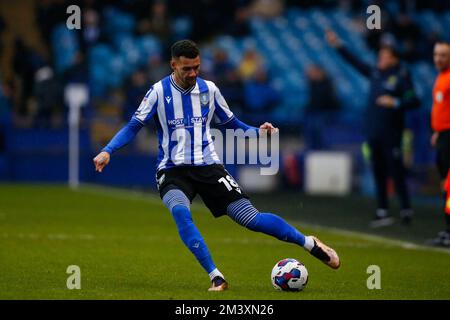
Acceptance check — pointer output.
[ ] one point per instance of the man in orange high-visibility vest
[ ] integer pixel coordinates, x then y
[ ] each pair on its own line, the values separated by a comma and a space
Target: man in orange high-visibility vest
440, 123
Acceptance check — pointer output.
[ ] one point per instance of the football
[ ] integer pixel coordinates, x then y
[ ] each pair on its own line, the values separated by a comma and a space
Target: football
289, 275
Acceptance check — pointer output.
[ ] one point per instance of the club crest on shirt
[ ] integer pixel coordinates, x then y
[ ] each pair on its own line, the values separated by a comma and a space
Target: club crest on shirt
204, 98
439, 96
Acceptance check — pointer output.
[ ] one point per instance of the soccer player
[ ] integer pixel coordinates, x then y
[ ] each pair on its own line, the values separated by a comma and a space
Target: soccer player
440, 123
183, 106
391, 94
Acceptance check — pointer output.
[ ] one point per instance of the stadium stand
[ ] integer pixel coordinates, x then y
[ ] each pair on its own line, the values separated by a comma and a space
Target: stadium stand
122, 37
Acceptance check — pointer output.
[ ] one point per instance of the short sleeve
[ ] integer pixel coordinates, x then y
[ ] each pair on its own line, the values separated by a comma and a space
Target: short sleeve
148, 106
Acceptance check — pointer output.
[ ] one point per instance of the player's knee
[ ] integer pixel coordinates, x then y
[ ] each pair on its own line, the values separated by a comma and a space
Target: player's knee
175, 197
244, 213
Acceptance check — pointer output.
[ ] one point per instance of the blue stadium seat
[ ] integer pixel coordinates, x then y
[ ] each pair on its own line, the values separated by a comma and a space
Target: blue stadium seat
65, 46
117, 21
148, 46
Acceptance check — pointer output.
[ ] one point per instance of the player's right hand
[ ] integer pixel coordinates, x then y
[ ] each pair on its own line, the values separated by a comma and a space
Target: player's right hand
101, 160
332, 38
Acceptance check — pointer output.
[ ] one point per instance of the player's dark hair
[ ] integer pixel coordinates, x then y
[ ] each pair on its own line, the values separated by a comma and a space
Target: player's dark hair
185, 48
393, 50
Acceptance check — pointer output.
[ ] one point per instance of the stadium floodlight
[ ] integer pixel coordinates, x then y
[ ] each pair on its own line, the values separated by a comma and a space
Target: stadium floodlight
76, 96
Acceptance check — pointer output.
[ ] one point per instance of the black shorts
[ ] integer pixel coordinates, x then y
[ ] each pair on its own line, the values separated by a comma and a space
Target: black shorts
213, 183
443, 153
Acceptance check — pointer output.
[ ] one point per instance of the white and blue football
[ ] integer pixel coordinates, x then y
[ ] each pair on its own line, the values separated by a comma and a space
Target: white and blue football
289, 275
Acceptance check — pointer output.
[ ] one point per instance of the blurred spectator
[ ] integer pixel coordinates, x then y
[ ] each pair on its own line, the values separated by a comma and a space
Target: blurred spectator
267, 8
135, 93
157, 23
49, 13
260, 97
157, 69
90, 32
322, 93
322, 106
251, 62
239, 27
426, 45
233, 91
78, 72
209, 17
224, 74
160, 22
25, 63
108, 118
221, 66
48, 92
408, 35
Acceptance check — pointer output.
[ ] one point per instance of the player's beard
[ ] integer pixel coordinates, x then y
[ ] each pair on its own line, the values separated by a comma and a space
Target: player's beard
191, 81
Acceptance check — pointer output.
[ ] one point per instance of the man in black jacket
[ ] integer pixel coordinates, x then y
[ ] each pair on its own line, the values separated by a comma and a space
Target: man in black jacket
391, 93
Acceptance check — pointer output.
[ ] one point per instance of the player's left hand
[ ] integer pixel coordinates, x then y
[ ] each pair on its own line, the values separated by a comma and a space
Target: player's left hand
386, 101
267, 127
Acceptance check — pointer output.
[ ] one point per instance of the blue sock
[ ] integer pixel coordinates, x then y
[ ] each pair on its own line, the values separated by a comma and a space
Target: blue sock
277, 227
243, 212
187, 230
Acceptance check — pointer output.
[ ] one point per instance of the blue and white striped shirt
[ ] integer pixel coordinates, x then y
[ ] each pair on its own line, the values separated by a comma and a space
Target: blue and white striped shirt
183, 119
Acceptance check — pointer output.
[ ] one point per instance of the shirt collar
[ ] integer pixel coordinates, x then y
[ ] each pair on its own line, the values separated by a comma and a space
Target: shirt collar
176, 86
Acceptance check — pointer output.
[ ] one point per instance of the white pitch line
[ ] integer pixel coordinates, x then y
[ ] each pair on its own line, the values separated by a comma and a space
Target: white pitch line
125, 194
386, 243
49, 236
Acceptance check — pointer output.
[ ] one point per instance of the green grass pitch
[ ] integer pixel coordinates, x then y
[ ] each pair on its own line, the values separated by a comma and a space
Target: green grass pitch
127, 247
